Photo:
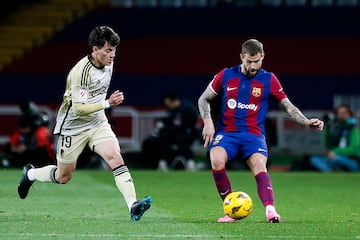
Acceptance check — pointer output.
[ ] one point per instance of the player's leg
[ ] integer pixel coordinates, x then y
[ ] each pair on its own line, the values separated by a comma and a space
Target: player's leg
223, 148
257, 164
106, 145
69, 148
218, 158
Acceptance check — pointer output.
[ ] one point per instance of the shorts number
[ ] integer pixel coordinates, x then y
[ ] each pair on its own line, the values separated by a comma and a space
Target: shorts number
66, 141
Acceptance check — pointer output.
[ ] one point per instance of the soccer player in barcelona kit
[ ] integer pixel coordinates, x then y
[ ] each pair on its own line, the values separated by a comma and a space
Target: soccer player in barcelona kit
81, 121
245, 91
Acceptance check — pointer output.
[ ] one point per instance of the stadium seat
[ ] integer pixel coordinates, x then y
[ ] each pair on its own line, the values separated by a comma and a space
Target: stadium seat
273, 3
245, 3
145, 3
346, 3
195, 3
170, 3
322, 3
295, 3
33, 24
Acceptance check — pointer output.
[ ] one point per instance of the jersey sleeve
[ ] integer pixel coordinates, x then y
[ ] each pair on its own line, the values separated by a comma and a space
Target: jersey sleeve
276, 90
79, 80
216, 83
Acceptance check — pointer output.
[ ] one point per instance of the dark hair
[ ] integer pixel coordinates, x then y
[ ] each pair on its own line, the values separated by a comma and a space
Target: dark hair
99, 35
26, 121
172, 95
252, 47
347, 107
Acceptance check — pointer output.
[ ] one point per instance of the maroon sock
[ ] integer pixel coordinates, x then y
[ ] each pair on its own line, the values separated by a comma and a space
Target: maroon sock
222, 182
264, 188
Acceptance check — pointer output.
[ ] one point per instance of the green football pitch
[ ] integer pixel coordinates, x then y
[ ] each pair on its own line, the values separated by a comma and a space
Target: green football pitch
185, 206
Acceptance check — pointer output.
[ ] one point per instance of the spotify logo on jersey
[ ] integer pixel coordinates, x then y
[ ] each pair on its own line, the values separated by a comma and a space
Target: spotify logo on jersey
232, 104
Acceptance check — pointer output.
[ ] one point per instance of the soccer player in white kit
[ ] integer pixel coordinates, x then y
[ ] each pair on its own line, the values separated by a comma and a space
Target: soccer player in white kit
81, 121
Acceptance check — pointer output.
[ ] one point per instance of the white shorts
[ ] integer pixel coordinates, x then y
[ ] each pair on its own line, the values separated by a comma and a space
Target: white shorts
70, 147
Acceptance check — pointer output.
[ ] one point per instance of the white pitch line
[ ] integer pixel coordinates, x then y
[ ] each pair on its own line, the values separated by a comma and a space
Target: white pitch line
168, 236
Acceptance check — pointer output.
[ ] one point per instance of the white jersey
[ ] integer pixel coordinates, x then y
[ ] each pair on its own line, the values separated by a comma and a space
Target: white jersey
85, 83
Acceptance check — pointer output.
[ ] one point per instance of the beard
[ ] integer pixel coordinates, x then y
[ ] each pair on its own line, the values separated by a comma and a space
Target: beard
251, 72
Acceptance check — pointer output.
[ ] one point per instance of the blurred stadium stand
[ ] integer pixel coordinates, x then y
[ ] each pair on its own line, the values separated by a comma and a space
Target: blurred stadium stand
32, 23
313, 47
233, 3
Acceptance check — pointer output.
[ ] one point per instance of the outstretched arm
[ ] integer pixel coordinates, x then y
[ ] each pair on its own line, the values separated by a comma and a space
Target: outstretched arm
295, 114
81, 109
205, 113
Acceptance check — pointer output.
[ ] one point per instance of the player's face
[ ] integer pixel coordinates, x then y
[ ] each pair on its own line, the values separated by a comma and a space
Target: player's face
251, 64
170, 104
342, 114
104, 56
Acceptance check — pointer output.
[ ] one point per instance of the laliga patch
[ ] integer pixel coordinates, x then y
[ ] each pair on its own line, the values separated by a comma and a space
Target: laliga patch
83, 95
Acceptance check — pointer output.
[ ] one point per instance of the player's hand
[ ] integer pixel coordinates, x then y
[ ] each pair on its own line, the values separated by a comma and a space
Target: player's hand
20, 148
315, 123
208, 132
116, 98
331, 155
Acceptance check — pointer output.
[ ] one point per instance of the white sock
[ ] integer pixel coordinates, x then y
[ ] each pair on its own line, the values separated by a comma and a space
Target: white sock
125, 184
43, 174
131, 203
270, 208
30, 174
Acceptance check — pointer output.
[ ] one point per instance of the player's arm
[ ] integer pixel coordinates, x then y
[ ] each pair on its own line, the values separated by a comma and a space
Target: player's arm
205, 113
81, 109
295, 114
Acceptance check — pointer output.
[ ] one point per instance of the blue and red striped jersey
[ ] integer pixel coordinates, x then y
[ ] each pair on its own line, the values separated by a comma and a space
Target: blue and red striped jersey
244, 100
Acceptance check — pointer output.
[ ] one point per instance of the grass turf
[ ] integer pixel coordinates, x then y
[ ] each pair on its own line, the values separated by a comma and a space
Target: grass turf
186, 206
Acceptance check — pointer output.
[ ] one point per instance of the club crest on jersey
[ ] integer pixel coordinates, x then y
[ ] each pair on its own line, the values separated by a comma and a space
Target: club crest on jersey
256, 92
217, 139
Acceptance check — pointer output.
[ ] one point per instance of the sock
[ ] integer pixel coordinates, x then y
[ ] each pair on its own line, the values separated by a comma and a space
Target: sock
222, 182
30, 174
264, 188
44, 174
125, 184
270, 208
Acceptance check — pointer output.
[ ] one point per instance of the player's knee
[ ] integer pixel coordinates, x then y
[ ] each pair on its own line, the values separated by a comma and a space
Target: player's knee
218, 163
218, 158
112, 155
114, 159
257, 164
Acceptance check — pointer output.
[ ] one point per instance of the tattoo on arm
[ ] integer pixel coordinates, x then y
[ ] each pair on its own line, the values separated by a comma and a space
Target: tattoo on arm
204, 102
292, 111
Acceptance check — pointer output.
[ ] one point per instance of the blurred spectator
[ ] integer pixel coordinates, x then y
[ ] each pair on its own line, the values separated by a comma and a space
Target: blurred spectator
342, 140
32, 141
170, 144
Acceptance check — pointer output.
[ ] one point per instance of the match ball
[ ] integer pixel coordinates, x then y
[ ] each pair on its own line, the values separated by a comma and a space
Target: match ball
238, 205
